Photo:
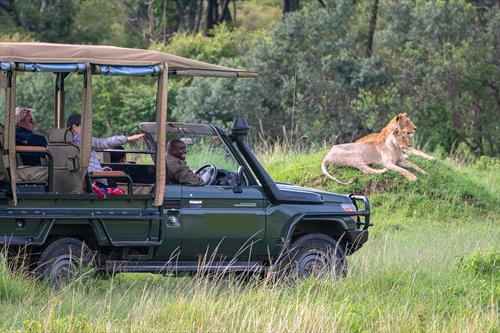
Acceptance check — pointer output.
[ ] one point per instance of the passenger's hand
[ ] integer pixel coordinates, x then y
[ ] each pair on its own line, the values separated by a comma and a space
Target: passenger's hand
107, 168
135, 137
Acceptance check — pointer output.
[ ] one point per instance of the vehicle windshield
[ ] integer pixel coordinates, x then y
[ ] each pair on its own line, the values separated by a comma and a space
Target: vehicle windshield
207, 149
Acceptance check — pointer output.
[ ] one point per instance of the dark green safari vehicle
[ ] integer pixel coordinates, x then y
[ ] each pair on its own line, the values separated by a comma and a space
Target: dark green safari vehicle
239, 221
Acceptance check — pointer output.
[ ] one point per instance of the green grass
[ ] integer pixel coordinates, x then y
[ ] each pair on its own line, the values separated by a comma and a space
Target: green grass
432, 264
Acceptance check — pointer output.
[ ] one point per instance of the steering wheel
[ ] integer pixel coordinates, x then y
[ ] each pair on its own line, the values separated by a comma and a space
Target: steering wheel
208, 173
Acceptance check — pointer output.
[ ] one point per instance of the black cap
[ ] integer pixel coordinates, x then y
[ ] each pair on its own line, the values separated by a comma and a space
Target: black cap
74, 119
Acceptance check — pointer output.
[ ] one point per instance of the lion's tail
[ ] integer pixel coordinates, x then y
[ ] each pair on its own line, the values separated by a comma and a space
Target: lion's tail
325, 172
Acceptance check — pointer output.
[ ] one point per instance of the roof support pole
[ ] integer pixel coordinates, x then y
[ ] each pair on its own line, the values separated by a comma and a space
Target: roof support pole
86, 129
9, 153
161, 136
59, 100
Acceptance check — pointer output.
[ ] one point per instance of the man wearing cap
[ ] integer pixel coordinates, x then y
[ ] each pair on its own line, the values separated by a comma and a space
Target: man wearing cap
74, 124
178, 172
25, 135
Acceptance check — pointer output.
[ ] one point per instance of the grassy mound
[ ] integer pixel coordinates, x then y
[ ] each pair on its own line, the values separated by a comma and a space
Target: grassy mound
448, 192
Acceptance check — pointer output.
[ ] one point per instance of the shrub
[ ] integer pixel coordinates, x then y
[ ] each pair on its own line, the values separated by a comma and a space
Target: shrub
480, 262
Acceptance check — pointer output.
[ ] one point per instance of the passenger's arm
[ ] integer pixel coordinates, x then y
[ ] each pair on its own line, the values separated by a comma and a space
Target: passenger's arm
108, 143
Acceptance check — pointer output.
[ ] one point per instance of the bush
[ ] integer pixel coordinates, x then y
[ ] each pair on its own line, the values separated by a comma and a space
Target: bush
481, 262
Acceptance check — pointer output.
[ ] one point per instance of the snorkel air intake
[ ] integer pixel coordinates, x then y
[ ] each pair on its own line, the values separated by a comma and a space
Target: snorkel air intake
239, 132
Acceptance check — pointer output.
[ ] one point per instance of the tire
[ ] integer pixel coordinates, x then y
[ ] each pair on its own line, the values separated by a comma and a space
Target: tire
63, 260
316, 256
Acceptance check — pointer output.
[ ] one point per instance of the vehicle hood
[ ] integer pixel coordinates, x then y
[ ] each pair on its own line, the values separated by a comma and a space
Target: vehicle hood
327, 197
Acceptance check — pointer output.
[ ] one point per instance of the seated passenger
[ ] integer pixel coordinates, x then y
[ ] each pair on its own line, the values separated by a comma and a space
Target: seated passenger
178, 171
74, 123
25, 125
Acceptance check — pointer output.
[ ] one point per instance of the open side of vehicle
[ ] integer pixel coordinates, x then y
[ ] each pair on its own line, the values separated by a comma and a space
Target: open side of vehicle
240, 220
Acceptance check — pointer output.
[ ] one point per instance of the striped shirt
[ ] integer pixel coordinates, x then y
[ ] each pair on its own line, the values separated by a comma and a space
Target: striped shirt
100, 144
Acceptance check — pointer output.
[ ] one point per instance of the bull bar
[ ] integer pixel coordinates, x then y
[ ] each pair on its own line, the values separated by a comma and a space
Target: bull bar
361, 213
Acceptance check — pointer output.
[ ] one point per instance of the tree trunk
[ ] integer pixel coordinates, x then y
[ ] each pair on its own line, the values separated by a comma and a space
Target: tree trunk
226, 14
290, 6
166, 33
151, 36
373, 27
212, 15
199, 14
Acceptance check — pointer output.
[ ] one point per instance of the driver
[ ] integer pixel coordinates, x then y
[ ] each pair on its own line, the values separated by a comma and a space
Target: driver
178, 171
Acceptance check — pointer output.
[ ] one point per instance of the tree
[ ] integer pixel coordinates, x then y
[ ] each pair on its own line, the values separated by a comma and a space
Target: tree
217, 12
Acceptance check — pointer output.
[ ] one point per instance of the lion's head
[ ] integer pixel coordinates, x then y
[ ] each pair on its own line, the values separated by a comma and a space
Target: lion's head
404, 122
401, 139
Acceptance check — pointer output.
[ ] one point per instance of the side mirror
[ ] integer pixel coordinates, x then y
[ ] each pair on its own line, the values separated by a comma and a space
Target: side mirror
239, 180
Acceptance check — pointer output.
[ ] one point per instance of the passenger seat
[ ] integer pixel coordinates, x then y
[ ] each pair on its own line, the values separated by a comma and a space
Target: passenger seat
66, 157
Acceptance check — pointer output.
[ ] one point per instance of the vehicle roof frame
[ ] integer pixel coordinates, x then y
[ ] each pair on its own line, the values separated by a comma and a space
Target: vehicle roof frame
44, 57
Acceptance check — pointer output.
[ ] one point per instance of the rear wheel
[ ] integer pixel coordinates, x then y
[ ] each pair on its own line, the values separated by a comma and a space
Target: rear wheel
63, 260
317, 256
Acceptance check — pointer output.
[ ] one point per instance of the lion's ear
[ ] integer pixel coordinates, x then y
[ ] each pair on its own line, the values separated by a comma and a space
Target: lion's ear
404, 114
398, 117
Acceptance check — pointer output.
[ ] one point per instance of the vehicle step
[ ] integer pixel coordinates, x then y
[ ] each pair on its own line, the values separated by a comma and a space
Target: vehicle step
182, 266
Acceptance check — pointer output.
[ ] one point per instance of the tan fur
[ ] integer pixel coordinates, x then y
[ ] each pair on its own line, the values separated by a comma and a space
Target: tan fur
406, 125
360, 155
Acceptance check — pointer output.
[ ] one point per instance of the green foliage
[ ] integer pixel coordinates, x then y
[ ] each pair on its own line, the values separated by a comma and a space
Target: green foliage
257, 15
484, 263
434, 60
225, 43
487, 163
71, 21
120, 104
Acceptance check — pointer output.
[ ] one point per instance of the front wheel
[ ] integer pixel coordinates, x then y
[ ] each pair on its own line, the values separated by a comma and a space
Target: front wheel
317, 256
63, 259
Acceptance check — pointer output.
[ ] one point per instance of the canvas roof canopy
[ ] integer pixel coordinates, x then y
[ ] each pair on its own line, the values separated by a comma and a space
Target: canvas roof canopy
111, 55
95, 59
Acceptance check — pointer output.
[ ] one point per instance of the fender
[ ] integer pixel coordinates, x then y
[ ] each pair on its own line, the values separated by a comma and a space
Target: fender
328, 217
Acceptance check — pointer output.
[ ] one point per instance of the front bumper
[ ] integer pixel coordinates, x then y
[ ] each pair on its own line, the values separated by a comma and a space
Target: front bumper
365, 213
358, 237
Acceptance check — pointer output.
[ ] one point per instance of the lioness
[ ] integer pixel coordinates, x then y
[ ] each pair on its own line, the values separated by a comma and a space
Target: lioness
389, 153
406, 125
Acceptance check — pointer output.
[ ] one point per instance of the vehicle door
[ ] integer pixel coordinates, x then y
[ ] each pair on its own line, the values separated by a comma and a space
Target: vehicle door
218, 221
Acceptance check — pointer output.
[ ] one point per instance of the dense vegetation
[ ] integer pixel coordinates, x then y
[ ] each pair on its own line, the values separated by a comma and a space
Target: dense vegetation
432, 264
330, 70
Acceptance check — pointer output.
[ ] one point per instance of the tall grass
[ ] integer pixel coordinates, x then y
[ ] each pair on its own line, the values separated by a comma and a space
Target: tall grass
432, 264
409, 281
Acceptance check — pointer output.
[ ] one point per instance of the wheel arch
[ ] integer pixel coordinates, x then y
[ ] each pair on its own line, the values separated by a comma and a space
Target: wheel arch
85, 231
304, 224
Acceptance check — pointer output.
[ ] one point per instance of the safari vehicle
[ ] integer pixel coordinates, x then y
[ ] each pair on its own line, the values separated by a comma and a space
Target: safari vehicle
240, 220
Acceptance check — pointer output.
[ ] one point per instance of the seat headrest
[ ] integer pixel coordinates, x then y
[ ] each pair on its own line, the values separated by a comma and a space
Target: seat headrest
61, 135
